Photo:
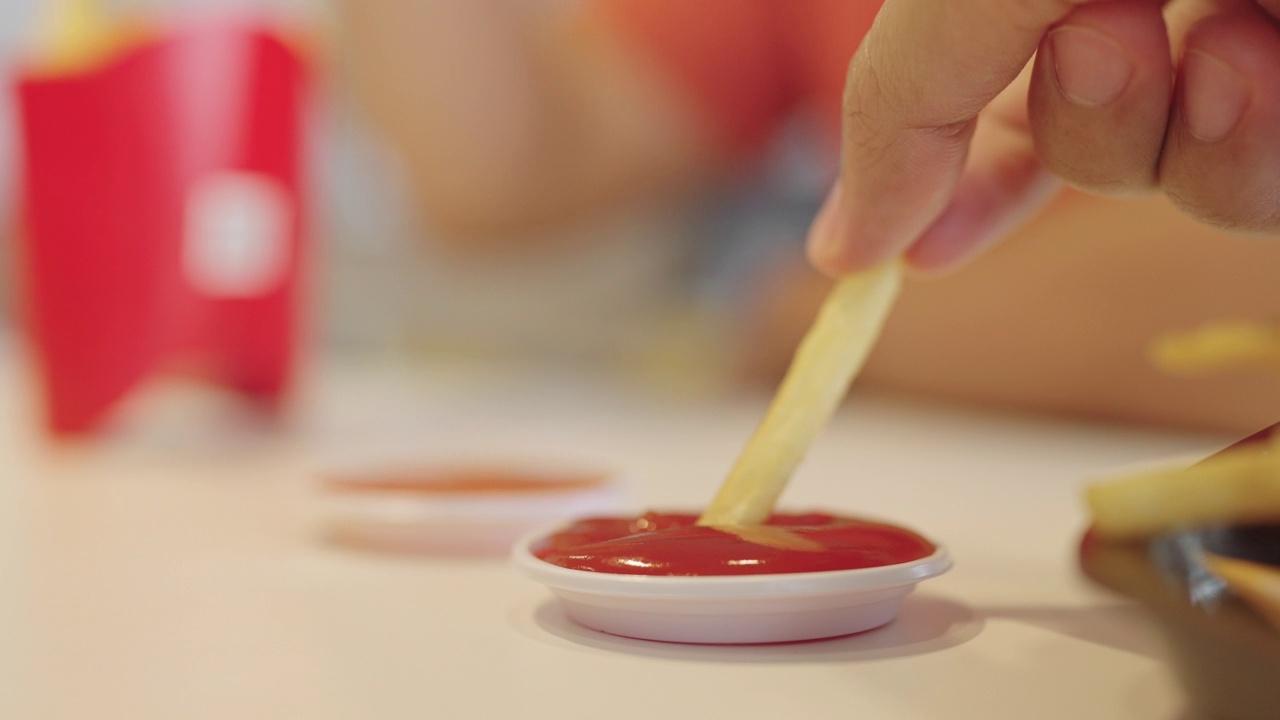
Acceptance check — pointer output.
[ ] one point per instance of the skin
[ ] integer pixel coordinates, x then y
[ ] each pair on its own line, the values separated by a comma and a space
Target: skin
1060, 317
1105, 108
485, 105
512, 121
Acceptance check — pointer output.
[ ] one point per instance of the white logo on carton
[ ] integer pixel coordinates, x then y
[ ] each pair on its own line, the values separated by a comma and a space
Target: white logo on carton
236, 235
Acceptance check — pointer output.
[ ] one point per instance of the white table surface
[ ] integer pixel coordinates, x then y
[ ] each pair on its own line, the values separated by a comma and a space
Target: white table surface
173, 571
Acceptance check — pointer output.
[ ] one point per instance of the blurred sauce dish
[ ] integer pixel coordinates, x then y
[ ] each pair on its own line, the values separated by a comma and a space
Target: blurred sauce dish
458, 509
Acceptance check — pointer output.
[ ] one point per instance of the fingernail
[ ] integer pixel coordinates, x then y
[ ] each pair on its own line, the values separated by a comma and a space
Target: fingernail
825, 242
1214, 96
1092, 69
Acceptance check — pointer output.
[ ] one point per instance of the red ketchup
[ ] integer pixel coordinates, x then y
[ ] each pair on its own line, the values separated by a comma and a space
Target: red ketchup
672, 544
1262, 436
465, 482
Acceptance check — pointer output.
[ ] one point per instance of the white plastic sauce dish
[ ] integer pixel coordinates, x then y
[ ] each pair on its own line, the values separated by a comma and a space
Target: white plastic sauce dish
739, 609
416, 519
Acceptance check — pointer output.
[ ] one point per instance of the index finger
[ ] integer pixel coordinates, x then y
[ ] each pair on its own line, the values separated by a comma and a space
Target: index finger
914, 90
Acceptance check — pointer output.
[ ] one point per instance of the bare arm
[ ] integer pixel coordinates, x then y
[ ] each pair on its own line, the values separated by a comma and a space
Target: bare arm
511, 117
1060, 318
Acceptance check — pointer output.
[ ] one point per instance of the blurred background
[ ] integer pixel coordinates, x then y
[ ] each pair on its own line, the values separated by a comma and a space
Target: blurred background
623, 187
386, 283
643, 284
16, 21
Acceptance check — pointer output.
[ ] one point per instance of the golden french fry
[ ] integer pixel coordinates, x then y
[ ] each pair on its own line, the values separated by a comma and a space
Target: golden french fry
775, 537
1220, 347
1239, 486
73, 35
825, 364
1257, 585
78, 35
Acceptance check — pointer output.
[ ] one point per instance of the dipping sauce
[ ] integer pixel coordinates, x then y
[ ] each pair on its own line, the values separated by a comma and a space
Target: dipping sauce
672, 544
456, 510
464, 481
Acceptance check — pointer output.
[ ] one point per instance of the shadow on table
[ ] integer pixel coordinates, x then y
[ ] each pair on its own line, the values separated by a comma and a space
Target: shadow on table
1118, 626
926, 624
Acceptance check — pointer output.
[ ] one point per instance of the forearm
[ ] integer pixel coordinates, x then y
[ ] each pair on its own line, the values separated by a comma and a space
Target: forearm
506, 120
1061, 316
452, 84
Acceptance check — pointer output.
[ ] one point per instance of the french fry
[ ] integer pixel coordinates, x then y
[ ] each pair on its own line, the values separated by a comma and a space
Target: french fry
775, 537
1239, 486
1219, 348
75, 36
1257, 585
831, 354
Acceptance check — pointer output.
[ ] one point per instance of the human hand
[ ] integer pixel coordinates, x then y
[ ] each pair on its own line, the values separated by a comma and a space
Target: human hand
1103, 106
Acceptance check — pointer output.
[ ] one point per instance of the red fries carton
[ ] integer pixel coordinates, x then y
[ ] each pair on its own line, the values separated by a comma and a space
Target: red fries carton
163, 218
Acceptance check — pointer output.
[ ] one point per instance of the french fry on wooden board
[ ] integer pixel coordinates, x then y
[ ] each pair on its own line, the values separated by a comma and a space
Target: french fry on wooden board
1257, 585
1238, 486
1219, 348
829, 356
